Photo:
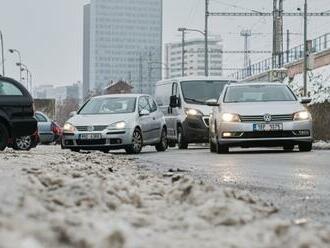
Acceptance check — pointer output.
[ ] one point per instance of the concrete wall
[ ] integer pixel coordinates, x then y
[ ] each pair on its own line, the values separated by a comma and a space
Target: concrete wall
321, 120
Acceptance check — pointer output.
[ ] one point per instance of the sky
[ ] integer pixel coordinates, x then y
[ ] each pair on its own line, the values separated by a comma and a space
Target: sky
49, 32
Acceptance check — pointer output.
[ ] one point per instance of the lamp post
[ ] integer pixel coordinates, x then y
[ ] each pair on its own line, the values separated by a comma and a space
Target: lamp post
23, 67
20, 61
2, 54
183, 31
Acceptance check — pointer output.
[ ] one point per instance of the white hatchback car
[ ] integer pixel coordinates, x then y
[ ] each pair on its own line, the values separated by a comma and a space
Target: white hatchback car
126, 121
258, 115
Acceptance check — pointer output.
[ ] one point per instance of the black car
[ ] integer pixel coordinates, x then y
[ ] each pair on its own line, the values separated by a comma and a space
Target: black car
16, 113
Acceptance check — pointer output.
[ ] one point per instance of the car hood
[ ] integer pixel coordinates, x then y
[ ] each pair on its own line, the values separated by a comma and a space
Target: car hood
261, 108
100, 120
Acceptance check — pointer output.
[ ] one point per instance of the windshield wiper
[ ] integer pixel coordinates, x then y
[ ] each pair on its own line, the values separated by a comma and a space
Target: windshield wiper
194, 100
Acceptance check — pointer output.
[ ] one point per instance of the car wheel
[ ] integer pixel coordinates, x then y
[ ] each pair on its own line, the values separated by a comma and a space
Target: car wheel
23, 143
163, 144
105, 150
213, 147
137, 141
4, 136
171, 143
182, 144
288, 148
75, 149
221, 149
306, 147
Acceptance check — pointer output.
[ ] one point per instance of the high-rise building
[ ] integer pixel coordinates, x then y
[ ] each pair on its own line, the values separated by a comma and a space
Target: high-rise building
122, 41
194, 58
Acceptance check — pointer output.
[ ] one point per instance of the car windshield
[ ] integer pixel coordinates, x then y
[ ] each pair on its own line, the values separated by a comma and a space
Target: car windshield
110, 105
258, 93
198, 92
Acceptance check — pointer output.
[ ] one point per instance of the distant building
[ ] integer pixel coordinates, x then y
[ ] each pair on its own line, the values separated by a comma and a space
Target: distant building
122, 41
194, 58
120, 87
59, 93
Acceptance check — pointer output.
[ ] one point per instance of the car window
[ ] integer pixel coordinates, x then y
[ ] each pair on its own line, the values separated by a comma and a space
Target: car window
153, 105
144, 104
9, 89
40, 118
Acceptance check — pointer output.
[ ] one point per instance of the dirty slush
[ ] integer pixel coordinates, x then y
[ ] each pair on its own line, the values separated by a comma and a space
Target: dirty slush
54, 198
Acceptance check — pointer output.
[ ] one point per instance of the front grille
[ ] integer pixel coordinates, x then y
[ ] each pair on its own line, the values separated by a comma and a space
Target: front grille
91, 142
95, 128
268, 134
260, 118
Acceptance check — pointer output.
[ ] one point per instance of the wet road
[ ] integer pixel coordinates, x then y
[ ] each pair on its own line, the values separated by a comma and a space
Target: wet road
297, 183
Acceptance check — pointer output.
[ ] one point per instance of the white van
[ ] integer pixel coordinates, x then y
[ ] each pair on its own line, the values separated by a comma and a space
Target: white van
183, 102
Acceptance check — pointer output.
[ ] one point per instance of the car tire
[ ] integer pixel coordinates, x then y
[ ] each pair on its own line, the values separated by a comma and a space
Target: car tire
306, 147
163, 144
4, 137
213, 147
182, 144
24, 143
105, 150
221, 149
171, 143
288, 148
75, 149
137, 141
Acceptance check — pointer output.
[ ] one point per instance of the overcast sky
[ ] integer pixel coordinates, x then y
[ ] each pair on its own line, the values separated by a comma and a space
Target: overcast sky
49, 32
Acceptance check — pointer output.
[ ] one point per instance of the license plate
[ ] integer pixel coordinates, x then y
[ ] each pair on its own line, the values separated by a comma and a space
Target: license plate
268, 127
90, 136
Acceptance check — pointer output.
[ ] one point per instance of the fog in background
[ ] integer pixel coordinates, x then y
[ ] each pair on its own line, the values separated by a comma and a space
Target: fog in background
49, 32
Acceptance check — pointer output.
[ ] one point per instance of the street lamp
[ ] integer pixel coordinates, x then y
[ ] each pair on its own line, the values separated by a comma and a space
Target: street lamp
2, 56
28, 73
20, 61
183, 30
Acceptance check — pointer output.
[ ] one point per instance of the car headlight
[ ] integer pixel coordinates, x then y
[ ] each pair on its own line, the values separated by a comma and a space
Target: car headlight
228, 117
118, 125
302, 116
193, 112
69, 128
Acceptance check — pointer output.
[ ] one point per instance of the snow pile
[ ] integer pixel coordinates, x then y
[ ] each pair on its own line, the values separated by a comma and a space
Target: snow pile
321, 145
318, 86
99, 200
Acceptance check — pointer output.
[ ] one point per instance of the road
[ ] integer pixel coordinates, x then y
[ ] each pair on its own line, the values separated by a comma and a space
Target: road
297, 183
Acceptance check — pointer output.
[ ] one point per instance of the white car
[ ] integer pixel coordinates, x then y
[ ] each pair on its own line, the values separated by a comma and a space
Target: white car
126, 121
258, 115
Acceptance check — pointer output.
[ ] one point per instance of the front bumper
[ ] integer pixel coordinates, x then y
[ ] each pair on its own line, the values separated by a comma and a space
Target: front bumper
108, 139
196, 129
242, 134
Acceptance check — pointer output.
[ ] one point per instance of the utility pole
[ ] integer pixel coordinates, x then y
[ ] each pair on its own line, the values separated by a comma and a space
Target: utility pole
140, 73
287, 45
306, 52
2, 54
280, 47
206, 32
246, 34
183, 31
275, 15
149, 69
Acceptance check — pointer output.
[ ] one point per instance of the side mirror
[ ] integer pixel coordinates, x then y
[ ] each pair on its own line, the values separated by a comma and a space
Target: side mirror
174, 102
305, 100
144, 112
212, 103
73, 113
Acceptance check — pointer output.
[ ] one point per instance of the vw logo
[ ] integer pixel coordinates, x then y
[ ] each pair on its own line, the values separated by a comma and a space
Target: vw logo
267, 118
90, 129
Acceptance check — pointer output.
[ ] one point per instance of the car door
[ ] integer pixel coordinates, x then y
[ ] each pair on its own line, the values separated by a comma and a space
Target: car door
156, 121
173, 113
145, 120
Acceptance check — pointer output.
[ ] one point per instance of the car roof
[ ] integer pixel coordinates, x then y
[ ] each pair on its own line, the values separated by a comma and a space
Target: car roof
120, 95
254, 83
197, 78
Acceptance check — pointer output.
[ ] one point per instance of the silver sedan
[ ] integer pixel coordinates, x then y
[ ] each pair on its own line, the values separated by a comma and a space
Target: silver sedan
258, 115
126, 121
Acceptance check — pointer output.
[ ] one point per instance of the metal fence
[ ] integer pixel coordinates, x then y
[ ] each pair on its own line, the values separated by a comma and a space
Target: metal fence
293, 55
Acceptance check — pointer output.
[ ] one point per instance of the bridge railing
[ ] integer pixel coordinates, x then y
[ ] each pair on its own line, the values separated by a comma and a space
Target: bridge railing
295, 54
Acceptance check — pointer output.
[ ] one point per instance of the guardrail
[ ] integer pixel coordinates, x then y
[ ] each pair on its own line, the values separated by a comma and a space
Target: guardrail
295, 54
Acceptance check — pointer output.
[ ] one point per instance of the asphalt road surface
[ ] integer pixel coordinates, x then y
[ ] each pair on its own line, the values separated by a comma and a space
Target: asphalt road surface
297, 183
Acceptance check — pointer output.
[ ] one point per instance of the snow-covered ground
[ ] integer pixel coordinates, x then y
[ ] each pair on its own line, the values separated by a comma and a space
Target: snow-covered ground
54, 198
318, 84
321, 145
